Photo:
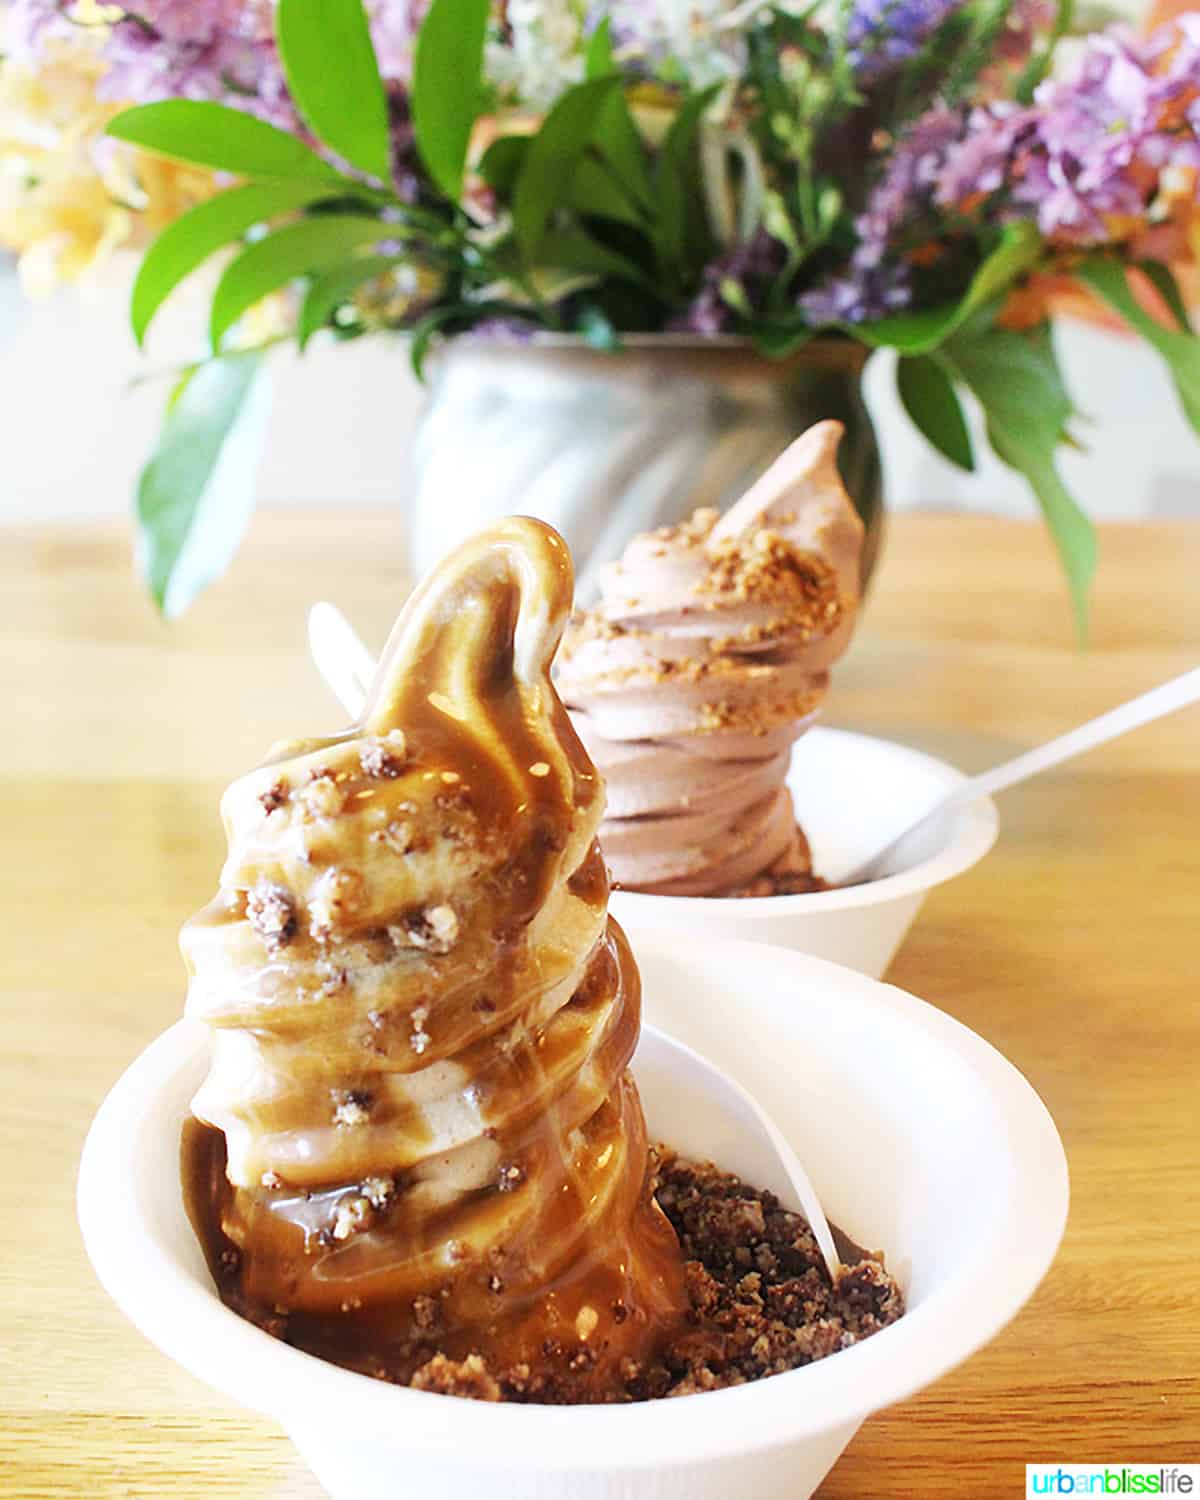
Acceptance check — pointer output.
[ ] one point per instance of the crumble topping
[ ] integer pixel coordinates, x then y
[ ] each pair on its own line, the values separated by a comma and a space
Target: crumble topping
378, 1191
384, 759
693, 532
352, 1215
323, 796
336, 897
511, 1178
272, 914
465, 1377
435, 930
274, 797
351, 1106
398, 836
767, 565
762, 1303
419, 1038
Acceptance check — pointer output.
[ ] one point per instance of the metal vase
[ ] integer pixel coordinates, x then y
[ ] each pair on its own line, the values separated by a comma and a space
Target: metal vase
605, 445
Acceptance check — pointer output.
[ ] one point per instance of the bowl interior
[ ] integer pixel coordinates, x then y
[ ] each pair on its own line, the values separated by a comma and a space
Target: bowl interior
921, 1140
906, 1151
854, 793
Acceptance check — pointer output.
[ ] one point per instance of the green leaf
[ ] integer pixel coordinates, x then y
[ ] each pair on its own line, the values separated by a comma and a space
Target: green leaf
733, 294
1107, 278
202, 231
573, 250
296, 249
778, 341
920, 332
777, 221
931, 401
1016, 380
427, 329
909, 332
552, 157
334, 78
328, 291
618, 141
1020, 246
1162, 279
677, 179
211, 135
595, 189
596, 193
598, 59
196, 493
446, 88
501, 163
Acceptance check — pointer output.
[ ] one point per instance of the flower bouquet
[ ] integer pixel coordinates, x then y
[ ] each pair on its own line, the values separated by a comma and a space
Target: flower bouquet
919, 174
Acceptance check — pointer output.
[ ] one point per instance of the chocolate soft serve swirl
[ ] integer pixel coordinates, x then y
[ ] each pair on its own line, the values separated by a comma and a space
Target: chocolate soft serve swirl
418, 1129
706, 657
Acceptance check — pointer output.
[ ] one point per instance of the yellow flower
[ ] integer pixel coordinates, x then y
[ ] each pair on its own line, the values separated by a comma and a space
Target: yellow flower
68, 198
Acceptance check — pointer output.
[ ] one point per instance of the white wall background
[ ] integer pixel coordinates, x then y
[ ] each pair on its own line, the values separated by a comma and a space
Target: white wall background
78, 414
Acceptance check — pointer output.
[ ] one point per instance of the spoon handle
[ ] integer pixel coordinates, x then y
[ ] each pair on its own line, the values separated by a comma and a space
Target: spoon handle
340, 656
1164, 699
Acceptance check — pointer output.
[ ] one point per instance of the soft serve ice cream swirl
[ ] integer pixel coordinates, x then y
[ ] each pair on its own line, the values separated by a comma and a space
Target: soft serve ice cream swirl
706, 657
424, 1134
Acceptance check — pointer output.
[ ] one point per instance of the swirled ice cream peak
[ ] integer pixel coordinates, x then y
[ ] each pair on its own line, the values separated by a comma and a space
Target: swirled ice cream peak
422, 1016
706, 657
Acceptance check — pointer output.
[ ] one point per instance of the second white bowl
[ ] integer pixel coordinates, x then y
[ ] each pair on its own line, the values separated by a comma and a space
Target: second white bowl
853, 794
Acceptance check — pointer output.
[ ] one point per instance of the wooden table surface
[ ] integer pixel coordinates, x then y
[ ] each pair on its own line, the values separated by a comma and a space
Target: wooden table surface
1072, 948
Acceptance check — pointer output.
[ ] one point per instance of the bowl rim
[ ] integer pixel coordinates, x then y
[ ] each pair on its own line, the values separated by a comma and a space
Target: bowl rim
187, 1321
973, 830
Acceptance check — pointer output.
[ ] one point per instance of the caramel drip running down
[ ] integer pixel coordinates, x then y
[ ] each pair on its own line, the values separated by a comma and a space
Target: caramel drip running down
707, 656
423, 1134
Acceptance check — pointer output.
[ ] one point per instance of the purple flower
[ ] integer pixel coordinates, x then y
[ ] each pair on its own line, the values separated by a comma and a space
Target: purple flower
1086, 156
883, 34
864, 294
908, 186
980, 163
29, 21
878, 279
223, 50
750, 267
176, 49
502, 330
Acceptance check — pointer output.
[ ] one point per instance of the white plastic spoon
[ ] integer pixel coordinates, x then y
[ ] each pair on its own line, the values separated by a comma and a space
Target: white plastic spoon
1178, 693
731, 1129
340, 656
700, 1112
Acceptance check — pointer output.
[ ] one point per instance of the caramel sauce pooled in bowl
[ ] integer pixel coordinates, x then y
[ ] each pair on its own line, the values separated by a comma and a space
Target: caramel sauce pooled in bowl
419, 1133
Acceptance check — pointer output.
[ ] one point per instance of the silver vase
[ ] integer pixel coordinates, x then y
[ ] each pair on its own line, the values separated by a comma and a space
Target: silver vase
605, 445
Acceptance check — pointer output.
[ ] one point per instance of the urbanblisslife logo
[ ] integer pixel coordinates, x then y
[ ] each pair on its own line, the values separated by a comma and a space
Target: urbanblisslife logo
1112, 1479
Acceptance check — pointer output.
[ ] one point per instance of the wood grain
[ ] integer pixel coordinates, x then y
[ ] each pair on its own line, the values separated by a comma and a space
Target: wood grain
1072, 948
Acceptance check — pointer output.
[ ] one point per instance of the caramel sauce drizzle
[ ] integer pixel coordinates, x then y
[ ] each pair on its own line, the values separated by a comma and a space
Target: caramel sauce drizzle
418, 1132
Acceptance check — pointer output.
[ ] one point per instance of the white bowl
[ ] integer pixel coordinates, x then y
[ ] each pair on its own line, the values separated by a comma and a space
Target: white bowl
853, 794
920, 1138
